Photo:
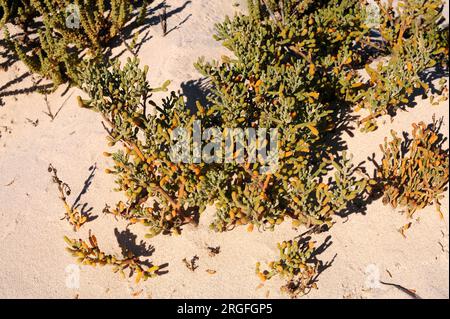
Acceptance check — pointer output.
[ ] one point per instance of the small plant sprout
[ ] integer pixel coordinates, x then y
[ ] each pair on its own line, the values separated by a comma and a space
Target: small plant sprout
295, 265
73, 216
88, 253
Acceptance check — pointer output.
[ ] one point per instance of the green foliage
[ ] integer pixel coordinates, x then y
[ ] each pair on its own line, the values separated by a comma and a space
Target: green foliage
288, 74
414, 173
55, 50
241, 194
88, 253
296, 264
289, 70
414, 42
411, 42
294, 67
144, 168
18, 12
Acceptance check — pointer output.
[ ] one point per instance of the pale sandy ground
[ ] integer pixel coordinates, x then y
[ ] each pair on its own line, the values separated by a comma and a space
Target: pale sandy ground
33, 261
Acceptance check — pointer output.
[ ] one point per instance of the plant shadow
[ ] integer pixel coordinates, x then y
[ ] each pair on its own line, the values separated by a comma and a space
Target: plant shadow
128, 244
195, 91
302, 241
84, 208
151, 19
131, 248
428, 78
36, 87
7, 56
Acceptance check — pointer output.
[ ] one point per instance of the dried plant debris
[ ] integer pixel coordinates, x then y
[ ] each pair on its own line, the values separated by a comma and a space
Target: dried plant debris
34, 123
137, 293
10, 183
49, 111
5, 129
402, 230
72, 215
414, 172
163, 20
192, 263
410, 292
88, 253
213, 251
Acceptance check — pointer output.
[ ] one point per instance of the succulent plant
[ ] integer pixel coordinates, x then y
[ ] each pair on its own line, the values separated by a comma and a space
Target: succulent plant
144, 167
88, 253
414, 172
72, 215
287, 67
291, 65
51, 47
295, 265
412, 42
241, 193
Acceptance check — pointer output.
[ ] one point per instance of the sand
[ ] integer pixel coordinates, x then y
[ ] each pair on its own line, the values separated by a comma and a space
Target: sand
33, 263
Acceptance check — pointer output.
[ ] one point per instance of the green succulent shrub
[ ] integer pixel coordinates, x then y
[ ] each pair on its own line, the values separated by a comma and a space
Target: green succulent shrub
145, 170
414, 172
290, 70
18, 12
413, 42
143, 167
54, 49
293, 66
270, 84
